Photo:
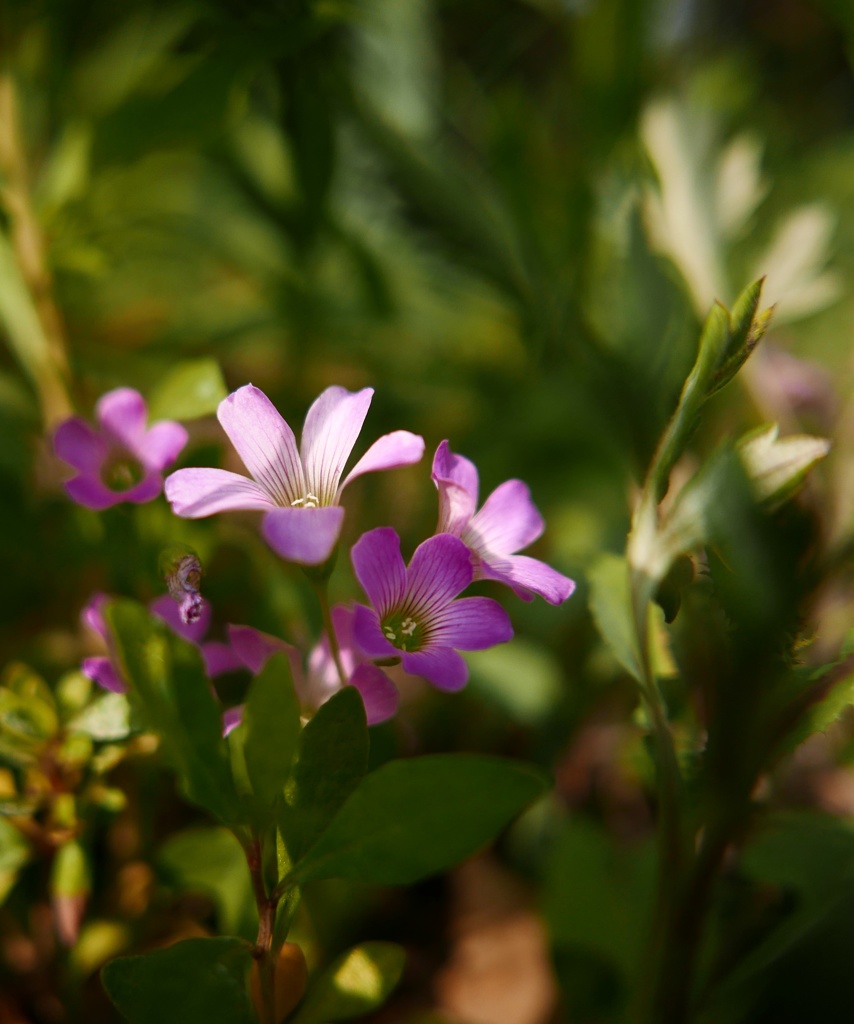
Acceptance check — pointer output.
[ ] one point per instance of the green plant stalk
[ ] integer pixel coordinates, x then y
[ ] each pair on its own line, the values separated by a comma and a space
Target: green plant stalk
321, 589
263, 951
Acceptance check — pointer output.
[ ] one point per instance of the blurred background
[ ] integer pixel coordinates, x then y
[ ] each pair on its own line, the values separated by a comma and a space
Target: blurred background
510, 219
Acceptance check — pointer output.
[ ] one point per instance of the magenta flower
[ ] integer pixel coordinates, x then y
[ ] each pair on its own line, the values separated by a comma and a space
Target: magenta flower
508, 521
122, 460
320, 680
298, 489
416, 615
218, 657
103, 669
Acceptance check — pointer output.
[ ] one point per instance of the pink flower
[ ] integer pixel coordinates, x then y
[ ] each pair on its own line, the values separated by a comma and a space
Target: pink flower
416, 615
122, 460
507, 522
299, 490
320, 680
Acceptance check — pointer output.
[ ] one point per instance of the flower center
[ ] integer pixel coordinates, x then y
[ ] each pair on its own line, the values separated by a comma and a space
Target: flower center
403, 631
309, 501
121, 472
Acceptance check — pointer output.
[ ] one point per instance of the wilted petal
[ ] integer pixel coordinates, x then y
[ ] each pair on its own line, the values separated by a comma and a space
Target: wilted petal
195, 493
439, 569
379, 694
369, 636
162, 444
265, 442
391, 451
89, 491
508, 521
440, 666
471, 624
220, 658
332, 426
380, 568
304, 535
122, 415
168, 610
103, 672
456, 480
80, 445
528, 576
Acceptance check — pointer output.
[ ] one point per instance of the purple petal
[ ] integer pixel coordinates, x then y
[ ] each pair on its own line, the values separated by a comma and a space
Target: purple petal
304, 535
220, 658
231, 719
456, 480
528, 576
332, 425
195, 493
255, 649
122, 415
162, 444
168, 609
379, 568
368, 635
103, 672
82, 447
92, 614
265, 443
440, 666
440, 569
471, 624
379, 694
508, 521
146, 490
89, 491
400, 448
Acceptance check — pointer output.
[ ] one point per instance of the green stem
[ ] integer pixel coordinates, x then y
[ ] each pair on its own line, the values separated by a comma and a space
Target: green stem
321, 588
263, 951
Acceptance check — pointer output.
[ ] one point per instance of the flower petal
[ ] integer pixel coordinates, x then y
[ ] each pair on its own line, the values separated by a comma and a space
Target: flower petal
231, 718
368, 635
332, 425
379, 568
440, 569
471, 624
80, 445
195, 493
255, 649
122, 414
456, 480
103, 672
508, 521
304, 535
220, 658
168, 610
265, 442
440, 666
162, 444
146, 490
89, 491
92, 614
528, 576
399, 448
379, 694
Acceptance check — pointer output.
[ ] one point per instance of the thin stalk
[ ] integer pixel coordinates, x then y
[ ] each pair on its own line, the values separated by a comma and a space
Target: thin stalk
321, 588
263, 951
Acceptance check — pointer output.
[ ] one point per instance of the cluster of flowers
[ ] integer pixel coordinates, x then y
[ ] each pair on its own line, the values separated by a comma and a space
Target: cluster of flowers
415, 616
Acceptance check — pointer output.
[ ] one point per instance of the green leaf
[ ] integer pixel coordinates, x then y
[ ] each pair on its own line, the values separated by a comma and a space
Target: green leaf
173, 694
211, 860
199, 981
331, 762
270, 728
14, 853
497, 672
190, 389
415, 817
598, 897
107, 718
359, 981
778, 466
610, 605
